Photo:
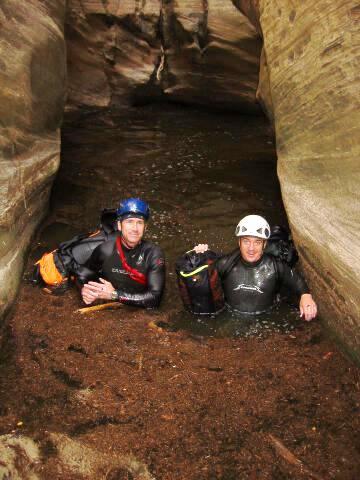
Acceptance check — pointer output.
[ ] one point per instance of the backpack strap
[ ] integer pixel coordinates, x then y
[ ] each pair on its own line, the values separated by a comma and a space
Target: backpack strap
73, 241
194, 272
133, 273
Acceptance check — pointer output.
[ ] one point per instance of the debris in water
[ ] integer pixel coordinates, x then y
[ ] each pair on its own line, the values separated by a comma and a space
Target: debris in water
155, 327
96, 308
290, 457
327, 355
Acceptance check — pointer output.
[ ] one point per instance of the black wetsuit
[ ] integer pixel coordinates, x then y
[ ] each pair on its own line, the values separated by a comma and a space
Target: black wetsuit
252, 287
146, 258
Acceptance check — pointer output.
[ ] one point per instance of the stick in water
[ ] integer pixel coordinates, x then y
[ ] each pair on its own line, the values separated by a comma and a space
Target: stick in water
96, 308
290, 457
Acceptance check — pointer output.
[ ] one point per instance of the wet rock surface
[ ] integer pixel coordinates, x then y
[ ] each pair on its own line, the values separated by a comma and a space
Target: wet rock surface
308, 87
211, 55
191, 52
132, 384
113, 51
312, 59
58, 456
32, 80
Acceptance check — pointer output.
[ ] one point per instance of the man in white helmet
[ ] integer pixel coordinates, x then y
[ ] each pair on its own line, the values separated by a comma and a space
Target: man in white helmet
252, 278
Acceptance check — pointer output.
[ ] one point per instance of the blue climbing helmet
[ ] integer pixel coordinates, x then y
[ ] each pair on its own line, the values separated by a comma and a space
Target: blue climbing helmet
133, 207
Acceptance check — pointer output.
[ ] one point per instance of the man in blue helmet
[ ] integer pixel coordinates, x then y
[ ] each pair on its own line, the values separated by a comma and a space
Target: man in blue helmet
127, 269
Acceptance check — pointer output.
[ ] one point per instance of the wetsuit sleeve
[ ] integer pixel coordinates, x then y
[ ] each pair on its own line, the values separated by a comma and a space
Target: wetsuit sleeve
291, 279
155, 284
92, 268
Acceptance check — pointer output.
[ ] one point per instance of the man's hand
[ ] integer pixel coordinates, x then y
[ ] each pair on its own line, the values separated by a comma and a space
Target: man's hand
201, 248
308, 308
97, 291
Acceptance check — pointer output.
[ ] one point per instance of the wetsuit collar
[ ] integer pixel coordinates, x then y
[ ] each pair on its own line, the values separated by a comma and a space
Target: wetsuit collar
127, 247
251, 264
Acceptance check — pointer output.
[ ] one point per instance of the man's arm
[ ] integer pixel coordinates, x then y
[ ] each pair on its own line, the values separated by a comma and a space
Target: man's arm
150, 298
293, 280
155, 287
92, 268
88, 275
223, 263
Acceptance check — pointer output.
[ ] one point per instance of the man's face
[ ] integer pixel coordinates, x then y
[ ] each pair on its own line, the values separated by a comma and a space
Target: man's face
132, 230
251, 248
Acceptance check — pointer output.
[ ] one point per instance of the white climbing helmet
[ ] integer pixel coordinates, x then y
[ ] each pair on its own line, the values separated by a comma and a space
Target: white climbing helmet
253, 226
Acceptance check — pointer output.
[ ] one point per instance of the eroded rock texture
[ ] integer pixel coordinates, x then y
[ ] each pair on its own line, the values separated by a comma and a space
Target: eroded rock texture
197, 52
312, 50
32, 80
113, 51
211, 55
23, 458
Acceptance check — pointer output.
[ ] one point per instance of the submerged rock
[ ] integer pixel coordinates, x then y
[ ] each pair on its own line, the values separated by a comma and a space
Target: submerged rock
19, 456
57, 454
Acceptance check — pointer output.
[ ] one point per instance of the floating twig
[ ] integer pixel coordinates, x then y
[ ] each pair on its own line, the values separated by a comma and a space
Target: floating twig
96, 308
290, 458
140, 361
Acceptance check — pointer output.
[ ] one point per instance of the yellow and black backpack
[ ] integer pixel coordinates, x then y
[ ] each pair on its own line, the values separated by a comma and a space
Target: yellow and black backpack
199, 283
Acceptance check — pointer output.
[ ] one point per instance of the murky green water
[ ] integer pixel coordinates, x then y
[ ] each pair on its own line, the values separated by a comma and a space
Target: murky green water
200, 172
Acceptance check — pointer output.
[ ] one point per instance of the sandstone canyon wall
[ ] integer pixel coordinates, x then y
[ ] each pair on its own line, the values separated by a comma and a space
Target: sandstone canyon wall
113, 50
193, 51
314, 79
312, 51
32, 87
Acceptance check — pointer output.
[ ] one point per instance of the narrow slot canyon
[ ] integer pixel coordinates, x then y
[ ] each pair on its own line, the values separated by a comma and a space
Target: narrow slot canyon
197, 108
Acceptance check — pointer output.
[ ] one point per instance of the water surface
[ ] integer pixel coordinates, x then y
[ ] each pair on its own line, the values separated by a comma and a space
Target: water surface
200, 173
